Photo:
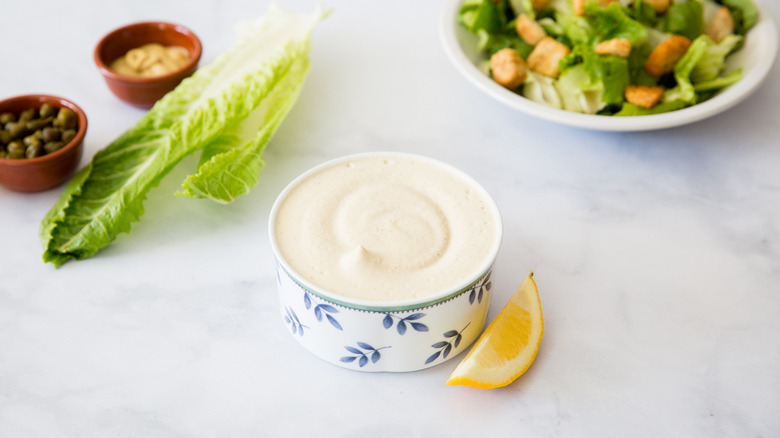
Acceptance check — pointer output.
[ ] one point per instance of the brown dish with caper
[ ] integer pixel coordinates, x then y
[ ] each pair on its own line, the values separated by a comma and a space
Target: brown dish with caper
36, 132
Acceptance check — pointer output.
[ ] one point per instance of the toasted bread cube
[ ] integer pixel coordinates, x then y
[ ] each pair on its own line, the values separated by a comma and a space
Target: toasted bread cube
579, 5
546, 56
644, 95
660, 6
721, 26
508, 68
529, 30
665, 56
617, 46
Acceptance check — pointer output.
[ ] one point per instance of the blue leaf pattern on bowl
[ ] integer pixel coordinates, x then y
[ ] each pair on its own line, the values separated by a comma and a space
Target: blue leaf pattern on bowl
295, 324
445, 347
322, 309
424, 320
479, 289
388, 321
362, 354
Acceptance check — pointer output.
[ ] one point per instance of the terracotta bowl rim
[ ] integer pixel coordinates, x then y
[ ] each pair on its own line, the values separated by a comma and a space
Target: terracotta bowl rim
73, 144
184, 30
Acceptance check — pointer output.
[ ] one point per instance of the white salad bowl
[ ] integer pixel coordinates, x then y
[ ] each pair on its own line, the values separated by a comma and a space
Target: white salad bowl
755, 59
394, 336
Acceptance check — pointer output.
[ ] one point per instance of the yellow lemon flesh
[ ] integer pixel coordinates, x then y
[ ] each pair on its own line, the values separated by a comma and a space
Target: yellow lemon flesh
508, 346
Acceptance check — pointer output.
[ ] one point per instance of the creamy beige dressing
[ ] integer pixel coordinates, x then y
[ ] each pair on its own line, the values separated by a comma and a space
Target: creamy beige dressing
388, 228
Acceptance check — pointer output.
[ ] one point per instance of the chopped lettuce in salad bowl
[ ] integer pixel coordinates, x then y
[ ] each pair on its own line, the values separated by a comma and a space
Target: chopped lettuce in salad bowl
612, 65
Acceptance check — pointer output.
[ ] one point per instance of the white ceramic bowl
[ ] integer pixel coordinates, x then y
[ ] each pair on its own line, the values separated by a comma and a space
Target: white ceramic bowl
755, 58
390, 335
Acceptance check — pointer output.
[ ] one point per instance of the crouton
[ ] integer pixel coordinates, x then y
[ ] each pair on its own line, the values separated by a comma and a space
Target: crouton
660, 6
529, 30
665, 56
539, 4
617, 46
721, 26
579, 5
644, 95
508, 68
546, 56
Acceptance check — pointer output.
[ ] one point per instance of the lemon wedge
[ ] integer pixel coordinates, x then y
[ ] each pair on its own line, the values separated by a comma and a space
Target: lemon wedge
508, 346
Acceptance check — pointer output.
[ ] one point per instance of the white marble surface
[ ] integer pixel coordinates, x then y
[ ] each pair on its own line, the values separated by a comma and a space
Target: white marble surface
657, 256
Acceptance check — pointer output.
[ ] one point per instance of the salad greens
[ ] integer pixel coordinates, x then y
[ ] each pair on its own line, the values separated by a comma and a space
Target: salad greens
229, 109
594, 76
686, 19
745, 14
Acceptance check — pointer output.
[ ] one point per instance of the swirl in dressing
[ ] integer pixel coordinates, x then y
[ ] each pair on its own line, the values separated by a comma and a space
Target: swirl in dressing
386, 229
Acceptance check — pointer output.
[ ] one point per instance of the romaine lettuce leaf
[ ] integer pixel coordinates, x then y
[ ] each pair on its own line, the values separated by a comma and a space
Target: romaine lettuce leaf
489, 21
576, 28
719, 82
550, 26
686, 19
655, 37
560, 6
541, 89
613, 22
643, 13
107, 196
595, 81
613, 72
636, 65
523, 7
230, 165
609, 75
700, 69
664, 107
484, 15
745, 14
578, 93
713, 61
493, 42
684, 90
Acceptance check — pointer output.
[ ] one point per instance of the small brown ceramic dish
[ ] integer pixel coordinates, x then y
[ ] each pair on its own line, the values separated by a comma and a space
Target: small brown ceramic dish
143, 92
50, 170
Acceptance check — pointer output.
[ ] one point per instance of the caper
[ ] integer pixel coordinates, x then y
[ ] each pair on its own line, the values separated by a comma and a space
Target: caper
35, 124
66, 119
16, 129
50, 133
31, 140
34, 151
68, 135
15, 148
27, 115
47, 111
36, 131
53, 146
7, 118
